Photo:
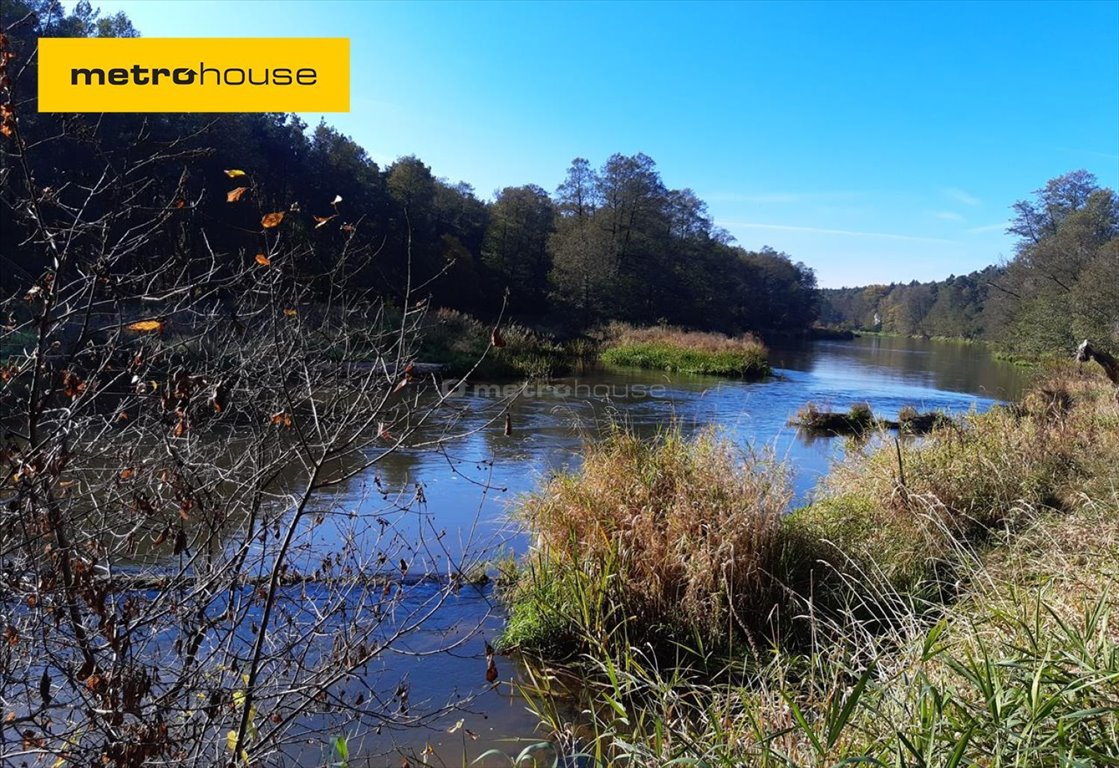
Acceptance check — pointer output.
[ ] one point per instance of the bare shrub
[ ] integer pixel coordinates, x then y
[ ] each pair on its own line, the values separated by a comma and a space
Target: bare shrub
191, 572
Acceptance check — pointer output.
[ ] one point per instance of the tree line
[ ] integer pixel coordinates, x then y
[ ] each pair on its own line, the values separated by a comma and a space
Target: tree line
1061, 286
611, 243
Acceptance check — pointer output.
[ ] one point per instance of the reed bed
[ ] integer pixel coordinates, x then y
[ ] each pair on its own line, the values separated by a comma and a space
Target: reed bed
945, 603
667, 348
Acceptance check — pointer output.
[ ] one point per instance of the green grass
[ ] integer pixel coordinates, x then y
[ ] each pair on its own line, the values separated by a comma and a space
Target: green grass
676, 350
462, 343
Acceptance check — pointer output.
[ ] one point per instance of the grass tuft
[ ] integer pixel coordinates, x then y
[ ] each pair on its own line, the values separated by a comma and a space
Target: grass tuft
649, 541
667, 348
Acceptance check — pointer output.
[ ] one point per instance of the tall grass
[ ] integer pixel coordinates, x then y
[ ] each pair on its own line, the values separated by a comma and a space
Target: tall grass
942, 603
668, 348
459, 341
651, 540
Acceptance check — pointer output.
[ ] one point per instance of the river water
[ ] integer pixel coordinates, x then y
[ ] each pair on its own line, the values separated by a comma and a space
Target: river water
469, 487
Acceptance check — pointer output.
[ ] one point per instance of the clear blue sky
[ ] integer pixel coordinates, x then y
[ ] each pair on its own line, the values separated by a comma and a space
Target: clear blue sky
876, 142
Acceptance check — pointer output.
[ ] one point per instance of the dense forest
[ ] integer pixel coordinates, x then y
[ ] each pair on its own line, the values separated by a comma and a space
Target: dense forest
612, 243
949, 308
1061, 286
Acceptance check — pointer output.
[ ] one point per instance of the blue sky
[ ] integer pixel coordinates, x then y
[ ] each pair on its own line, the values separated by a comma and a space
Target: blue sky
876, 142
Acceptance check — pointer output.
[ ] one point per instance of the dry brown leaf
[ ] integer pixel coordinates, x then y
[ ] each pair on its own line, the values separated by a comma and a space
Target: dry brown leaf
263, 260
322, 220
72, 385
271, 220
127, 473
290, 312
234, 195
146, 325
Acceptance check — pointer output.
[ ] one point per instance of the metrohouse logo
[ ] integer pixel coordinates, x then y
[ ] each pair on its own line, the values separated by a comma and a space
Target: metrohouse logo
138, 75
194, 75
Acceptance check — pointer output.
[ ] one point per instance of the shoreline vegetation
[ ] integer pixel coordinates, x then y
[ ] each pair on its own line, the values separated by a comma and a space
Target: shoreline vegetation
456, 342
1031, 360
939, 603
667, 348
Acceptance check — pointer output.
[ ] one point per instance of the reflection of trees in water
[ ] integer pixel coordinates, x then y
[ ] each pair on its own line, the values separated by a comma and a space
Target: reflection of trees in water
950, 366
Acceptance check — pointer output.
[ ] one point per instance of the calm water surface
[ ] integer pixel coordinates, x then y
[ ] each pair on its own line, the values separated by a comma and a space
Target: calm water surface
469, 488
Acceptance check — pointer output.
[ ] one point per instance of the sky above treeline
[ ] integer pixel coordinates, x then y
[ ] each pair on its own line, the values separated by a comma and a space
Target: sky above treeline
876, 142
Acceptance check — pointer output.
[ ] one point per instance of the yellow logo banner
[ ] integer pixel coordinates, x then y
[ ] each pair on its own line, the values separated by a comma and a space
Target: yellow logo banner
203, 74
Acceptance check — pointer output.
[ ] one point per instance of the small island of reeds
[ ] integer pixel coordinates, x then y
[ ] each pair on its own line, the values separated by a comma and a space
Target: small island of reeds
668, 348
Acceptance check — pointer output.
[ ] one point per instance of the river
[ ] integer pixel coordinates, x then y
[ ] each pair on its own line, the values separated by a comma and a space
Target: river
468, 490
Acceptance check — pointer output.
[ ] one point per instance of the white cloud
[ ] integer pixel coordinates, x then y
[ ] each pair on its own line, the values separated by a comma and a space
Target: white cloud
947, 215
779, 197
823, 231
960, 196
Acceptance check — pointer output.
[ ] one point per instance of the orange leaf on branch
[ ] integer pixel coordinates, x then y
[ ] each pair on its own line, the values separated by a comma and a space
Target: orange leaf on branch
263, 260
271, 220
234, 195
146, 325
235, 173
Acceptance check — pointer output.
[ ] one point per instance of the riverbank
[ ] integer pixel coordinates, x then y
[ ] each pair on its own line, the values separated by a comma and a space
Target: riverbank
461, 344
997, 352
947, 598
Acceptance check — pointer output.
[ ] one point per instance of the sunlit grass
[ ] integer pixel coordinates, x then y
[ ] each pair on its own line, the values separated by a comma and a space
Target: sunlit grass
650, 539
945, 602
666, 348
